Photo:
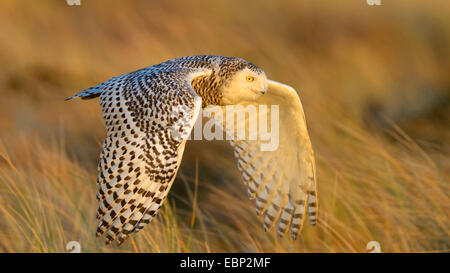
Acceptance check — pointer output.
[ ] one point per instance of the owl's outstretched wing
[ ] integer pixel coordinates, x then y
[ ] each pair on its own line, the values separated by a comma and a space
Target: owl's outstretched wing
278, 168
148, 116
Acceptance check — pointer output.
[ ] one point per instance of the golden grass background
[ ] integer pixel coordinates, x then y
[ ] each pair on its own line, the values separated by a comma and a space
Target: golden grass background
375, 86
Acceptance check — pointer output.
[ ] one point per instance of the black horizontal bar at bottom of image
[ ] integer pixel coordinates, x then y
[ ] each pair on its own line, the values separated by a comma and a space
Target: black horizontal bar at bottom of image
222, 262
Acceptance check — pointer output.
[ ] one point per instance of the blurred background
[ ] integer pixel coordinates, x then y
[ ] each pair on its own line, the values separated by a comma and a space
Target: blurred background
374, 82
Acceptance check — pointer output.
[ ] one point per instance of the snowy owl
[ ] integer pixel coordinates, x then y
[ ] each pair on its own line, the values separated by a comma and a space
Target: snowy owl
140, 155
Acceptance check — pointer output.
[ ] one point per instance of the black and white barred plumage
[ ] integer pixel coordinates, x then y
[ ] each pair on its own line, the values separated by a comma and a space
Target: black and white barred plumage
140, 156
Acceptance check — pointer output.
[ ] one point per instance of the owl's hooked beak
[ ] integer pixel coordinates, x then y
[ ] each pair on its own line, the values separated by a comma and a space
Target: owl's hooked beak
263, 88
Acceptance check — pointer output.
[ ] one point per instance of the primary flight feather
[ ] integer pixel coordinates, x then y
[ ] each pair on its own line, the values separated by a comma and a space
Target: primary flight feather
142, 151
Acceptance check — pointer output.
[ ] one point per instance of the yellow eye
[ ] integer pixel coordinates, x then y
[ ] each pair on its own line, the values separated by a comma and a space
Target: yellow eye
250, 78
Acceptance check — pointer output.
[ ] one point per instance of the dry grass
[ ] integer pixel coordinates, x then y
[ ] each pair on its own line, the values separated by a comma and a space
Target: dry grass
374, 84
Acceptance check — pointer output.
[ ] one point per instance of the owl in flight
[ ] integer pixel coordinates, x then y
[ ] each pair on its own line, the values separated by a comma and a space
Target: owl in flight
140, 155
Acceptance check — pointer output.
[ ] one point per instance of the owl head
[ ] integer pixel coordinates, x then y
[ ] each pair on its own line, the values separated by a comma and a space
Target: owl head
247, 83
